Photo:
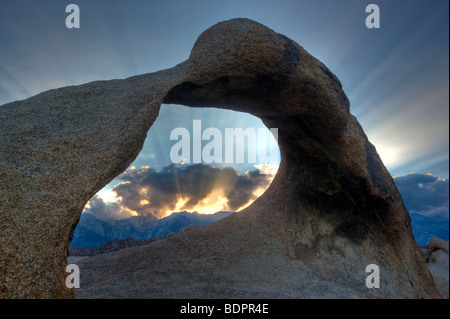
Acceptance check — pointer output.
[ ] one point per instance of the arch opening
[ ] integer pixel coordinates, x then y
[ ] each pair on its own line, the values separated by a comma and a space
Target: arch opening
226, 161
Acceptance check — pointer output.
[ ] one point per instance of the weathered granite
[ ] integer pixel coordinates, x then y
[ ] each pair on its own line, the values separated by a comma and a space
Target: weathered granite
331, 210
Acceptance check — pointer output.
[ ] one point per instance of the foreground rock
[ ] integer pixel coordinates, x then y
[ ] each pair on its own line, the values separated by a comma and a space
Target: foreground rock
437, 259
331, 210
115, 245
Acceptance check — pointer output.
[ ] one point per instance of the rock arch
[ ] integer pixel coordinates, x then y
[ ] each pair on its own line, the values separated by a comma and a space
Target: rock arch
331, 210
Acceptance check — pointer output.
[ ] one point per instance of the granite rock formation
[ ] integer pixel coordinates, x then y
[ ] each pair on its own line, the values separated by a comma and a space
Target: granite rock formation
437, 259
331, 210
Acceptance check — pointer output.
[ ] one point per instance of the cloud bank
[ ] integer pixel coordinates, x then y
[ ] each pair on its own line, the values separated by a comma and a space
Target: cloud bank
198, 187
424, 194
208, 189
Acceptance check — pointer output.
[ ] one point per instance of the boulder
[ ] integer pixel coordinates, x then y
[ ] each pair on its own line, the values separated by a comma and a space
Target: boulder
331, 210
436, 257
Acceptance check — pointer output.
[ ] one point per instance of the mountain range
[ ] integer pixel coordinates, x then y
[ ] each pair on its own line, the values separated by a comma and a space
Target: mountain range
426, 227
92, 232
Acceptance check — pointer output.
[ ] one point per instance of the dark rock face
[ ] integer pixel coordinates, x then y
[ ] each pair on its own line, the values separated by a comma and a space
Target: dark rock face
331, 210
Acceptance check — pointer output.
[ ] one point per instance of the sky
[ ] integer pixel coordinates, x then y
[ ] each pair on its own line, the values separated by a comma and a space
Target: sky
396, 78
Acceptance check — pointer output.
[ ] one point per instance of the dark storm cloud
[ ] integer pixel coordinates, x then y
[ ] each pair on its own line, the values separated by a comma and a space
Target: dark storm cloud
424, 194
148, 191
102, 211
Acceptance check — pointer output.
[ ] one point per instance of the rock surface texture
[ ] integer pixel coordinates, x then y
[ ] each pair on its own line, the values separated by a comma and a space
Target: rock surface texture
331, 210
437, 259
